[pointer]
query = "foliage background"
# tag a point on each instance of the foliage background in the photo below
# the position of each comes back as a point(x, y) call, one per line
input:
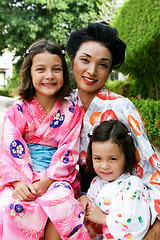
point(22, 22)
point(138, 23)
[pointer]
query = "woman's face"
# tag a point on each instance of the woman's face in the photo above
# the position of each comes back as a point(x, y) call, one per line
point(91, 66)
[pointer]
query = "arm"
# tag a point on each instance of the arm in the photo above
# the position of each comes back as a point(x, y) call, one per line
point(23, 191)
point(154, 232)
point(95, 214)
point(130, 209)
point(28, 192)
point(84, 200)
point(64, 160)
point(14, 155)
point(41, 186)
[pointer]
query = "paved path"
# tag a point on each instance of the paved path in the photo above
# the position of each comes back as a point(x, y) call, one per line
point(5, 102)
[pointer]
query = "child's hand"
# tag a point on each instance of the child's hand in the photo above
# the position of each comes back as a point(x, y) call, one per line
point(95, 214)
point(23, 191)
point(42, 185)
point(84, 200)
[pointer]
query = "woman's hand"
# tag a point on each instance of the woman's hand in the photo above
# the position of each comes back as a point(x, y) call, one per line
point(95, 214)
point(154, 232)
point(23, 191)
point(42, 185)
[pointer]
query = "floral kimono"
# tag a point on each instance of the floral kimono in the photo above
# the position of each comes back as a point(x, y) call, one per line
point(126, 207)
point(27, 126)
point(105, 106)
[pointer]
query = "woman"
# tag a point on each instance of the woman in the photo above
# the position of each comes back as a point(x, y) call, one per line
point(94, 52)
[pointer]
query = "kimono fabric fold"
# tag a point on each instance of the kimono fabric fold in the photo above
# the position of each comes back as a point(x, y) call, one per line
point(27, 123)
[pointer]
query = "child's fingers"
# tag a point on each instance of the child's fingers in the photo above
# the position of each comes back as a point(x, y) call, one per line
point(31, 188)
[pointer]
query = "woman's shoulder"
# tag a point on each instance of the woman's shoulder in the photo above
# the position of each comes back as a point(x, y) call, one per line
point(104, 94)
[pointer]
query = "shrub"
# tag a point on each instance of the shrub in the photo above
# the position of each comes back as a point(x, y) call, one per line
point(125, 88)
point(138, 25)
point(150, 112)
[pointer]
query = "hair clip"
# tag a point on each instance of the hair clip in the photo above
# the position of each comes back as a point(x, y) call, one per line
point(26, 53)
point(90, 134)
point(129, 134)
point(63, 52)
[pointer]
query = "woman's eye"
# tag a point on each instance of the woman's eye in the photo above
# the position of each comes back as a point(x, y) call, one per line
point(84, 59)
point(103, 65)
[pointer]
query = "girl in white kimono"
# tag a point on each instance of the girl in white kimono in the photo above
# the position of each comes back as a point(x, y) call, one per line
point(116, 199)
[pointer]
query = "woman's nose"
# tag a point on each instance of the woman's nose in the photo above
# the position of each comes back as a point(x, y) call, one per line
point(92, 69)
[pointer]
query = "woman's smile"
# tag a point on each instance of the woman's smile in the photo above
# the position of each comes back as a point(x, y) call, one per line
point(89, 80)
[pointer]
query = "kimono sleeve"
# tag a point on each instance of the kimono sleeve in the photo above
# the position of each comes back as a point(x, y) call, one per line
point(64, 160)
point(93, 190)
point(130, 214)
point(14, 157)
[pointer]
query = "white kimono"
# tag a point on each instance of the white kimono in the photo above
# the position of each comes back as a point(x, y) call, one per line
point(126, 205)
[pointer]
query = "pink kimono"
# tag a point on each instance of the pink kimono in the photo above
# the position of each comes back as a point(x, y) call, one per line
point(27, 123)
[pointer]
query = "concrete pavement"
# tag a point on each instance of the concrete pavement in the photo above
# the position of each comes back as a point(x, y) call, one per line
point(5, 102)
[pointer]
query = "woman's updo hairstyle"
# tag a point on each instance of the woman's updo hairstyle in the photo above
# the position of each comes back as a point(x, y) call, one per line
point(100, 33)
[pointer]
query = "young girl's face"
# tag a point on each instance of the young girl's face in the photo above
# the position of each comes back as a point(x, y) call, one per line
point(108, 160)
point(47, 74)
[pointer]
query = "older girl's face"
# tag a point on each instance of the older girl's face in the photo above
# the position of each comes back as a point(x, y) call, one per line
point(91, 66)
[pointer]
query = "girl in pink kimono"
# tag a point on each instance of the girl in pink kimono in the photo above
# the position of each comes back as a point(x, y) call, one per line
point(39, 151)
point(116, 199)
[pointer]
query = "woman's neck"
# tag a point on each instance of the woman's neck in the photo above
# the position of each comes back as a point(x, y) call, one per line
point(86, 98)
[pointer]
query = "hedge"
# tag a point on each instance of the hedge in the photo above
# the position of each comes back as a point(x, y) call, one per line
point(138, 24)
point(150, 112)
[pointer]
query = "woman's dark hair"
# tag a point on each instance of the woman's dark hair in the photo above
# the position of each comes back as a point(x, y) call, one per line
point(117, 132)
point(26, 89)
point(100, 33)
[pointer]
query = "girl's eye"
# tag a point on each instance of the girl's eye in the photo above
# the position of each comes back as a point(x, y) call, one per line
point(97, 159)
point(113, 159)
point(57, 69)
point(40, 69)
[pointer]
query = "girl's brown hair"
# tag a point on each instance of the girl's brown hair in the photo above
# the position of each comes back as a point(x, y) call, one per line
point(117, 132)
point(26, 90)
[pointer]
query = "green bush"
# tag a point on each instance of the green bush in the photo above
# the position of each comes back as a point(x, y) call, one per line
point(138, 26)
point(125, 88)
point(150, 112)
point(5, 92)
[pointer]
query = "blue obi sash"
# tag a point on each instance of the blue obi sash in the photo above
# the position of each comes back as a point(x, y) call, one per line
point(41, 156)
